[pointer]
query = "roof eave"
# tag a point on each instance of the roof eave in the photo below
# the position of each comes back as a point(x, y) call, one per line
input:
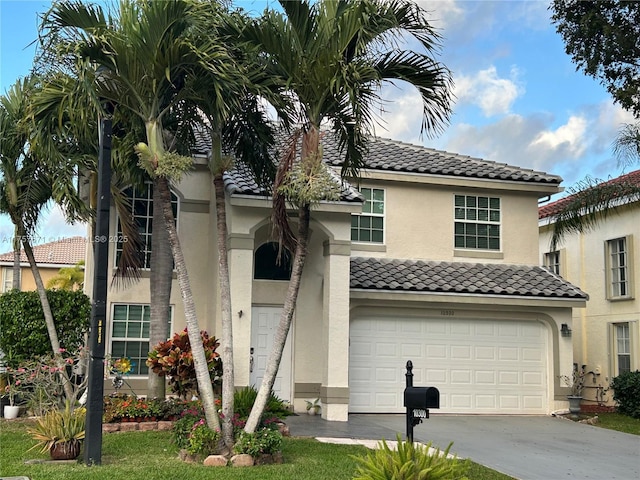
point(468, 298)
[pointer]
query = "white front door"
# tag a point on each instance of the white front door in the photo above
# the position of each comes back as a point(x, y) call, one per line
point(264, 322)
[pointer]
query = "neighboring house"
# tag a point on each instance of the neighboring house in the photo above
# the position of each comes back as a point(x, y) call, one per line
point(603, 262)
point(433, 260)
point(50, 258)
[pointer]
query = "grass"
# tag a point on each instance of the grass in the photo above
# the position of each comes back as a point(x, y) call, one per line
point(621, 423)
point(153, 456)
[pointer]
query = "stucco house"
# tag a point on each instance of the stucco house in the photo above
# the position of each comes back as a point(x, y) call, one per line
point(432, 257)
point(50, 258)
point(602, 261)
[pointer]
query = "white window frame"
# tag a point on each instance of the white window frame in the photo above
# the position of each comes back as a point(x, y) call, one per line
point(7, 279)
point(619, 268)
point(626, 345)
point(368, 212)
point(463, 216)
point(139, 360)
point(145, 236)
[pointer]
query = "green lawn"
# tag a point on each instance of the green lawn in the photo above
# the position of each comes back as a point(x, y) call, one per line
point(153, 456)
point(621, 423)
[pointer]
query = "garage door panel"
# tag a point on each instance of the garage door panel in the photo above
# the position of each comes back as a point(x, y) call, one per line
point(479, 366)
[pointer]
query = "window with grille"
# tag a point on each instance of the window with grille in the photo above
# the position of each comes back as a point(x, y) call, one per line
point(130, 334)
point(477, 222)
point(141, 207)
point(552, 261)
point(368, 226)
point(618, 268)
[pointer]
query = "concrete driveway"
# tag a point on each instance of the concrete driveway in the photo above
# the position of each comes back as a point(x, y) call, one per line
point(524, 447)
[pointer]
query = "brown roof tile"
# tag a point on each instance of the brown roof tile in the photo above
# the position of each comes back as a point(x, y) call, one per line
point(66, 251)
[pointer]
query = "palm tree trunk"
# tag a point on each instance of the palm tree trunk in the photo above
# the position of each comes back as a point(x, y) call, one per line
point(205, 388)
point(160, 290)
point(273, 363)
point(228, 378)
point(48, 317)
point(16, 260)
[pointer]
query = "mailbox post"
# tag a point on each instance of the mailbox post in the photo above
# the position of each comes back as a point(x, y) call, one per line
point(418, 401)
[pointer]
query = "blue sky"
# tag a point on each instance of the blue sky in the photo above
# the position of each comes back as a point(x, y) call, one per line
point(519, 98)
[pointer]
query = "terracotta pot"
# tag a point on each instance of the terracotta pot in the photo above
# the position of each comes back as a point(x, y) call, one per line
point(65, 450)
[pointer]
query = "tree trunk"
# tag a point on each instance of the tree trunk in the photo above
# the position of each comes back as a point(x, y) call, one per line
point(205, 387)
point(273, 363)
point(48, 317)
point(16, 260)
point(228, 380)
point(160, 290)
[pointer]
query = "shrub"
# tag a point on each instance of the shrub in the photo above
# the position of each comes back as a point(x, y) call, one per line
point(244, 399)
point(182, 428)
point(409, 462)
point(626, 391)
point(263, 441)
point(174, 359)
point(202, 440)
point(23, 327)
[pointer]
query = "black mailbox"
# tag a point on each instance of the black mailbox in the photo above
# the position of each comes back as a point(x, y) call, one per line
point(421, 397)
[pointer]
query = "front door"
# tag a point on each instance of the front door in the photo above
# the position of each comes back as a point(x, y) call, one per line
point(263, 327)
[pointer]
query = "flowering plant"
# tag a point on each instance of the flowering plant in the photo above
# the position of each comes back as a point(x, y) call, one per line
point(41, 381)
point(14, 383)
point(202, 440)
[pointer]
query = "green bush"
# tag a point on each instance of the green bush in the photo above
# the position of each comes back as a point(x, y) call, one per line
point(409, 462)
point(264, 441)
point(23, 330)
point(626, 391)
point(244, 398)
point(202, 440)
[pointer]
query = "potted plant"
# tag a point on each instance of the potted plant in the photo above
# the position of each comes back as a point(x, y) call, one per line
point(60, 432)
point(12, 390)
point(576, 383)
point(313, 406)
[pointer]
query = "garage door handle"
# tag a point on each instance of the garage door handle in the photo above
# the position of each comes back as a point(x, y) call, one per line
point(250, 363)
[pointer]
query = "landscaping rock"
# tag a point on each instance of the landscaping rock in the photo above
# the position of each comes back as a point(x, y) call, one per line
point(242, 460)
point(128, 427)
point(283, 428)
point(146, 426)
point(187, 457)
point(110, 427)
point(215, 461)
point(165, 426)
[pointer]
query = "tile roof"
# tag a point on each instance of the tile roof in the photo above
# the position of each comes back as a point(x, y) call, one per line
point(553, 208)
point(461, 278)
point(66, 251)
point(394, 156)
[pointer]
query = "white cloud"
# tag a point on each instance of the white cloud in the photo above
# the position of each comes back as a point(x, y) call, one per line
point(443, 13)
point(568, 138)
point(485, 89)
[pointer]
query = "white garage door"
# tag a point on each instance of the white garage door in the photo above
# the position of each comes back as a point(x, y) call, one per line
point(479, 366)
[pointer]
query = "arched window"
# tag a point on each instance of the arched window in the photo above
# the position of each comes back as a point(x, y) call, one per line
point(141, 205)
point(265, 265)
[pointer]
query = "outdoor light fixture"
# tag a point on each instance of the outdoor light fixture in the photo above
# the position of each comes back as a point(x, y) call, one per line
point(565, 330)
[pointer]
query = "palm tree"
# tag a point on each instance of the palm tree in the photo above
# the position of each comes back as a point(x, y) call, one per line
point(156, 60)
point(27, 185)
point(334, 56)
point(592, 200)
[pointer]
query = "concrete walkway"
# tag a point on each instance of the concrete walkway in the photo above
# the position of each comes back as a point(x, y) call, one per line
point(524, 447)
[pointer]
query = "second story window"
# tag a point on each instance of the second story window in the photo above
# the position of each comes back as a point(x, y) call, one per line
point(477, 222)
point(369, 225)
point(141, 207)
point(552, 261)
point(618, 264)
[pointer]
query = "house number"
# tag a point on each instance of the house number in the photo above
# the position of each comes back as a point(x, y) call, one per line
point(447, 313)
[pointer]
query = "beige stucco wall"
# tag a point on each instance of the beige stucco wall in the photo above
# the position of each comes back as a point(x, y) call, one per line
point(583, 264)
point(27, 282)
point(419, 224)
